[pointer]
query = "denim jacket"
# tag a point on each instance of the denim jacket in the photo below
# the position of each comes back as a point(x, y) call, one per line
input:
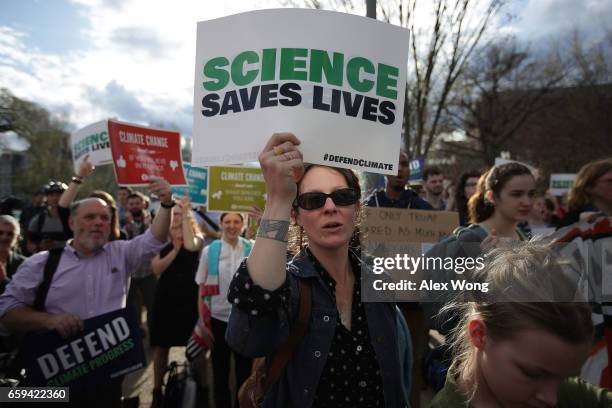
point(262, 334)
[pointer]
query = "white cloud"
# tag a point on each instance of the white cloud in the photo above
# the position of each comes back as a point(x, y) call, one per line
point(139, 61)
point(138, 64)
point(545, 20)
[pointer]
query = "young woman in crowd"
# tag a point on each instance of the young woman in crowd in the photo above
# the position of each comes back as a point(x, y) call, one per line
point(175, 307)
point(349, 355)
point(218, 264)
point(464, 189)
point(503, 199)
point(592, 191)
point(523, 342)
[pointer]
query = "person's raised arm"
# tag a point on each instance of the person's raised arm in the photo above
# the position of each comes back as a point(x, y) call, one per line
point(68, 196)
point(191, 241)
point(282, 166)
point(160, 263)
point(161, 222)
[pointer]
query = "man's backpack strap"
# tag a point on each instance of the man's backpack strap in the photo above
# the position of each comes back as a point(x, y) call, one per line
point(50, 267)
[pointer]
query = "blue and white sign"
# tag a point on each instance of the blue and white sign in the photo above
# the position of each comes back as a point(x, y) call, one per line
point(109, 346)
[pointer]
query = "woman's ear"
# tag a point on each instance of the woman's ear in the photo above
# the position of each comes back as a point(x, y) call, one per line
point(477, 332)
point(490, 197)
point(294, 215)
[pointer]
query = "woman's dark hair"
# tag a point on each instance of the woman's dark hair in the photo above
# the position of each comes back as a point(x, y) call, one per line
point(461, 201)
point(479, 208)
point(296, 233)
point(225, 213)
point(110, 201)
point(550, 205)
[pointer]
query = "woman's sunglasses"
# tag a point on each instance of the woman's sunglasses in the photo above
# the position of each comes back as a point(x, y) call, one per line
point(312, 201)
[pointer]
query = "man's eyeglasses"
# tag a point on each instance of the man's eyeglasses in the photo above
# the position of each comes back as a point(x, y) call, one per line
point(314, 200)
point(7, 233)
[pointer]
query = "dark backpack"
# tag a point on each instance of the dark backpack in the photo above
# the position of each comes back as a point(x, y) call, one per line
point(181, 386)
point(437, 360)
point(458, 244)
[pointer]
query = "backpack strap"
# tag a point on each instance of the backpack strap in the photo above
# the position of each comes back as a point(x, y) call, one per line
point(285, 353)
point(42, 216)
point(50, 267)
point(475, 228)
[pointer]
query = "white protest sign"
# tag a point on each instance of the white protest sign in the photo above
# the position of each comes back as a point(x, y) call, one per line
point(560, 183)
point(534, 171)
point(92, 140)
point(337, 81)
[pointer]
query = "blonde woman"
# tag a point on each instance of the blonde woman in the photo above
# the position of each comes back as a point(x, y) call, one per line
point(516, 345)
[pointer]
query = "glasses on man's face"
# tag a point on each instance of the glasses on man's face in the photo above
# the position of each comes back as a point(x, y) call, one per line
point(7, 233)
point(314, 200)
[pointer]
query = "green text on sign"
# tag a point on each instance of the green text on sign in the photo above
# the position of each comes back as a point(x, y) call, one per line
point(290, 64)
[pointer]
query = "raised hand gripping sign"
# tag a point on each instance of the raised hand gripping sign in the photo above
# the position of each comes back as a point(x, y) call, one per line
point(141, 152)
point(337, 81)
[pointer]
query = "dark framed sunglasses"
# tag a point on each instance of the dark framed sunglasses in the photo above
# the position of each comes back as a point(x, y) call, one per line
point(314, 200)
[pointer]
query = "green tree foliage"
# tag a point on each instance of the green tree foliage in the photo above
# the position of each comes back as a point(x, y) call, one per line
point(48, 157)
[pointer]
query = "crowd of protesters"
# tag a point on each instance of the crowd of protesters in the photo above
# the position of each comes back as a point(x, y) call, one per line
point(292, 293)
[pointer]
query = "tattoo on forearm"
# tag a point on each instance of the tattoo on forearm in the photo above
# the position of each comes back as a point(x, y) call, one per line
point(274, 229)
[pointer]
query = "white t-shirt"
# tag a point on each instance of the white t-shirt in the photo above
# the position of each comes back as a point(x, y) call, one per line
point(229, 260)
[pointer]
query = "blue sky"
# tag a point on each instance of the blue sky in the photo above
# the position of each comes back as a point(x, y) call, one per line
point(51, 26)
point(85, 60)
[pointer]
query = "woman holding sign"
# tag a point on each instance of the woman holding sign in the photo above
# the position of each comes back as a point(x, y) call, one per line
point(523, 342)
point(324, 345)
point(176, 295)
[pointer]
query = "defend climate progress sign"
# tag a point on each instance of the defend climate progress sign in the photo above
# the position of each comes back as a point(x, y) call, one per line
point(335, 80)
point(109, 346)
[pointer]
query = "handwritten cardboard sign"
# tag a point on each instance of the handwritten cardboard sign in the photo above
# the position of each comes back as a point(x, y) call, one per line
point(404, 225)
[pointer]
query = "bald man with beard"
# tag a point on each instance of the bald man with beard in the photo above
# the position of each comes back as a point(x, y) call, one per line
point(92, 278)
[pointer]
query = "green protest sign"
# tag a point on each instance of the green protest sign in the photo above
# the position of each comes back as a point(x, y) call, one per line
point(561, 183)
point(235, 188)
